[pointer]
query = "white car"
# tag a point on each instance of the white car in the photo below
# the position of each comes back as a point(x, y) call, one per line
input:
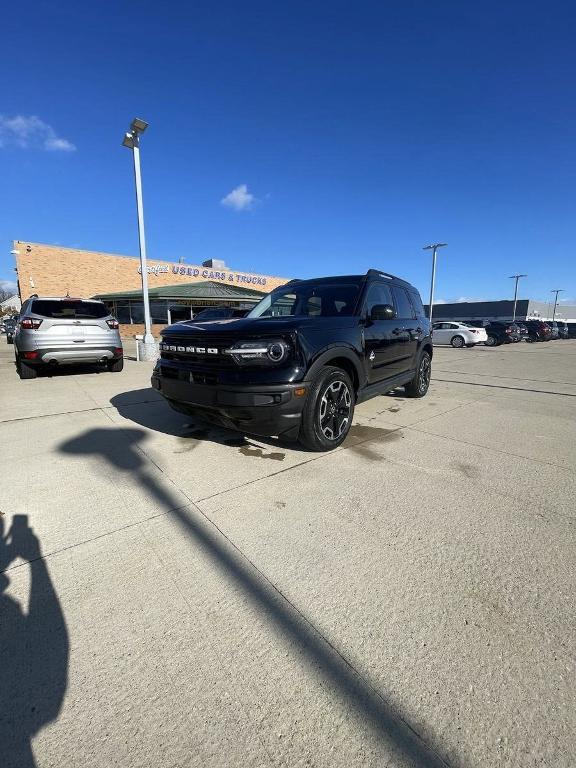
point(458, 334)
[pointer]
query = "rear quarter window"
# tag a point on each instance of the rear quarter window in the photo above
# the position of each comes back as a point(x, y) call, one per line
point(417, 304)
point(403, 305)
point(78, 310)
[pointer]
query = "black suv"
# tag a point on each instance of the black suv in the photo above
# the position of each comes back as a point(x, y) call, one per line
point(304, 356)
point(562, 328)
point(501, 333)
point(537, 330)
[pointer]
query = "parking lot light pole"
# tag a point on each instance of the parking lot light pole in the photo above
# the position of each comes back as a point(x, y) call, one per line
point(556, 291)
point(131, 140)
point(434, 248)
point(515, 277)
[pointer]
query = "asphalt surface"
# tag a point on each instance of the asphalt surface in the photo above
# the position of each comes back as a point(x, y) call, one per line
point(194, 598)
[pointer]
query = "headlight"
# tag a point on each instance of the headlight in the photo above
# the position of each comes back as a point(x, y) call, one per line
point(264, 351)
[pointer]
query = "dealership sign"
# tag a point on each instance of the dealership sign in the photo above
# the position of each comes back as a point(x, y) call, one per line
point(207, 274)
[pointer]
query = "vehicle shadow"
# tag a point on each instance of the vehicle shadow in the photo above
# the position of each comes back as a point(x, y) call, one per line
point(122, 449)
point(34, 649)
point(162, 418)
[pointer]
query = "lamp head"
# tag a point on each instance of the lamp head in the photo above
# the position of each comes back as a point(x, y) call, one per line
point(434, 245)
point(138, 125)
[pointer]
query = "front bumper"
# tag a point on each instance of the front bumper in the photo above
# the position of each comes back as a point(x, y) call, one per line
point(266, 410)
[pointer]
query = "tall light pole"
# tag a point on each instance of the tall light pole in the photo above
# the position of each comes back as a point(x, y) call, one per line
point(434, 248)
point(556, 291)
point(132, 141)
point(515, 277)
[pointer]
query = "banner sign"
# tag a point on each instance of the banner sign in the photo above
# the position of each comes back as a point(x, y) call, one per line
point(207, 274)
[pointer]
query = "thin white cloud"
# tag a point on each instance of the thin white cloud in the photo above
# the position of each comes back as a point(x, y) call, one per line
point(440, 301)
point(31, 133)
point(8, 285)
point(464, 299)
point(239, 199)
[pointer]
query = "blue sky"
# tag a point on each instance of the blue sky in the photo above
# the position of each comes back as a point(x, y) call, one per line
point(353, 133)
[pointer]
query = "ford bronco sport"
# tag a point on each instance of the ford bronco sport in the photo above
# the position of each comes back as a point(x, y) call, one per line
point(300, 361)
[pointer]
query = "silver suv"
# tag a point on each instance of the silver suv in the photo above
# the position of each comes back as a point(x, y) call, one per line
point(55, 331)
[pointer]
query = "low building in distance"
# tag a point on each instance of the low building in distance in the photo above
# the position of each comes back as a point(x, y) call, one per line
point(526, 309)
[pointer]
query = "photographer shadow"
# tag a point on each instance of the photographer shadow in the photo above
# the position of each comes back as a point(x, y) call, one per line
point(34, 650)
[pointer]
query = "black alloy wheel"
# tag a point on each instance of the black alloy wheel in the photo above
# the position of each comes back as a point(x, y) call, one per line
point(328, 412)
point(491, 341)
point(335, 405)
point(418, 387)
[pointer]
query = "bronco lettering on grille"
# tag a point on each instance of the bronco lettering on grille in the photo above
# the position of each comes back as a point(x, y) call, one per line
point(190, 350)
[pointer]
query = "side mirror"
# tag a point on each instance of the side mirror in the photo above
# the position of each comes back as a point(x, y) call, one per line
point(382, 312)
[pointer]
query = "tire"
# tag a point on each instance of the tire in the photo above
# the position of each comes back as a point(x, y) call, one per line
point(25, 371)
point(457, 342)
point(115, 366)
point(10, 340)
point(320, 431)
point(491, 341)
point(418, 387)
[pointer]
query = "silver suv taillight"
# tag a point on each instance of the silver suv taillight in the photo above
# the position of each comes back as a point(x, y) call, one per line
point(30, 323)
point(112, 323)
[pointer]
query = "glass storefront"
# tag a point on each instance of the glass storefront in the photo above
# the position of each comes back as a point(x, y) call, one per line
point(165, 311)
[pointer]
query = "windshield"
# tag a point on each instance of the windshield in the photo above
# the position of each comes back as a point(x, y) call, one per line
point(72, 308)
point(310, 299)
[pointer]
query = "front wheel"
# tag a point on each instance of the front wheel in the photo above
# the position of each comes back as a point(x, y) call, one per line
point(327, 415)
point(491, 341)
point(420, 383)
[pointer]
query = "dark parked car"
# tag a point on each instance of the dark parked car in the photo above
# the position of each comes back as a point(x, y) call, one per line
point(571, 330)
point(297, 365)
point(554, 332)
point(562, 329)
point(538, 330)
point(501, 333)
point(219, 313)
point(523, 330)
point(9, 328)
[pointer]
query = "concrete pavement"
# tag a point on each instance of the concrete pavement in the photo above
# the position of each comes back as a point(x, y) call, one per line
point(208, 600)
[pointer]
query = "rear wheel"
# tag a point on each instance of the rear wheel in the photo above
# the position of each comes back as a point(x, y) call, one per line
point(25, 371)
point(420, 383)
point(115, 366)
point(327, 415)
point(457, 341)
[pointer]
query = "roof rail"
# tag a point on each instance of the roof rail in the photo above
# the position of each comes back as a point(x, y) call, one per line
point(381, 273)
point(294, 280)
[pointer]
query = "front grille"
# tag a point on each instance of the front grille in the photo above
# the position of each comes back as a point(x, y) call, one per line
point(185, 374)
point(203, 350)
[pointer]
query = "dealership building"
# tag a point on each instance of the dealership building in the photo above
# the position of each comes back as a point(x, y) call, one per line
point(177, 290)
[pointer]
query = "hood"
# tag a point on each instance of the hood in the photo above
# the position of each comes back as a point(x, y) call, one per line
point(258, 326)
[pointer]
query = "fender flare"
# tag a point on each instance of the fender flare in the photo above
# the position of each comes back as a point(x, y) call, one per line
point(347, 353)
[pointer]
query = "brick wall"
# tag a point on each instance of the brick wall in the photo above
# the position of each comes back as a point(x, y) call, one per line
point(50, 270)
point(128, 331)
